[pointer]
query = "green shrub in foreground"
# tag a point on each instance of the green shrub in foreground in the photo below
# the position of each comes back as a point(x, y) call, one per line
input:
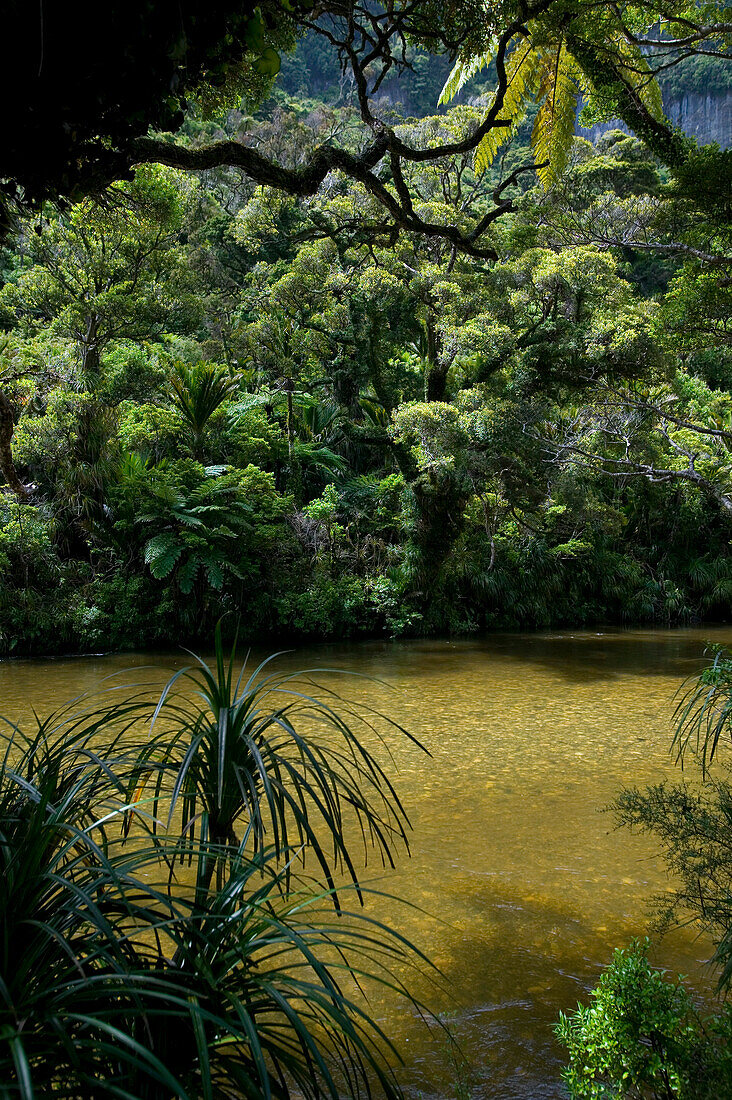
point(642, 1038)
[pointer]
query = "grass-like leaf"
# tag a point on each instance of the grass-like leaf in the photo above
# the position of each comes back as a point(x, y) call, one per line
point(116, 979)
point(704, 711)
point(263, 758)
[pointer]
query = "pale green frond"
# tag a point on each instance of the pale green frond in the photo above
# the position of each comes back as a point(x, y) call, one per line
point(579, 76)
point(464, 70)
point(638, 73)
point(524, 72)
point(553, 131)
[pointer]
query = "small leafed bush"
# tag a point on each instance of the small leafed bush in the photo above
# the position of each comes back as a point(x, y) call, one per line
point(642, 1037)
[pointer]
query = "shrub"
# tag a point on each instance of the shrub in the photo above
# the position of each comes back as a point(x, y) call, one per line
point(642, 1037)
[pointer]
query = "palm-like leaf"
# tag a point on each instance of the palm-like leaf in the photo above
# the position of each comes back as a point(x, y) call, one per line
point(318, 457)
point(464, 70)
point(524, 74)
point(198, 391)
point(258, 953)
point(260, 760)
point(162, 553)
point(115, 986)
point(201, 524)
point(704, 711)
point(549, 73)
point(67, 909)
point(553, 130)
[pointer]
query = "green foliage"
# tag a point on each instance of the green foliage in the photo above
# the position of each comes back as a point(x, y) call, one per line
point(198, 391)
point(704, 712)
point(118, 979)
point(199, 517)
point(641, 1037)
point(346, 606)
point(130, 373)
point(108, 271)
point(551, 66)
point(151, 430)
point(232, 398)
point(36, 587)
point(246, 773)
point(698, 74)
point(27, 545)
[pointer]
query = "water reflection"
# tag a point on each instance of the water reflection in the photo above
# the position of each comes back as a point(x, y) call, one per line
point(520, 887)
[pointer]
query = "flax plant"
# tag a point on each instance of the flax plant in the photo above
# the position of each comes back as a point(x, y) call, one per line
point(118, 979)
point(259, 761)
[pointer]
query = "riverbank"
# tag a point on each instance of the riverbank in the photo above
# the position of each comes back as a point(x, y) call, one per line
point(519, 888)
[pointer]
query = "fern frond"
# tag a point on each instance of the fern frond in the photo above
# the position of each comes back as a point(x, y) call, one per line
point(524, 73)
point(639, 75)
point(161, 554)
point(579, 76)
point(187, 575)
point(554, 126)
point(188, 519)
point(215, 574)
point(464, 70)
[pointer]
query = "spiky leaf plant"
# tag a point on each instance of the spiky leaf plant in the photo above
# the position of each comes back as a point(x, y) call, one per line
point(119, 980)
point(704, 711)
point(261, 761)
point(69, 969)
point(198, 391)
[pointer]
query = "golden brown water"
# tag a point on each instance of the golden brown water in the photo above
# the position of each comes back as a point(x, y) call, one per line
point(523, 887)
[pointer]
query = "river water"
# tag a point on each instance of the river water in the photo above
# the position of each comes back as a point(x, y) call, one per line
point(519, 886)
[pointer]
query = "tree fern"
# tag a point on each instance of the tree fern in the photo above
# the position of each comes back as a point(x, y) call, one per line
point(523, 72)
point(638, 73)
point(215, 574)
point(464, 70)
point(198, 391)
point(202, 525)
point(550, 74)
point(187, 575)
point(551, 138)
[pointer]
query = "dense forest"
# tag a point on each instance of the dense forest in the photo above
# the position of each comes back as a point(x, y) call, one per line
point(221, 397)
point(325, 321)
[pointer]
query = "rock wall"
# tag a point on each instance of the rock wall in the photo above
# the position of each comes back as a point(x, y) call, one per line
point(705, 117)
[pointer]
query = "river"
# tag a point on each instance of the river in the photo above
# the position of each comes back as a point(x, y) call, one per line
point(519, 885)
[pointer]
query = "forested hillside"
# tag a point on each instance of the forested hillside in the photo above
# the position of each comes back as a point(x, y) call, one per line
point(221, 397)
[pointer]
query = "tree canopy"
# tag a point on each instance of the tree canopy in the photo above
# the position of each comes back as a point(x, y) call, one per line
point(344, 368)
point(92, 107)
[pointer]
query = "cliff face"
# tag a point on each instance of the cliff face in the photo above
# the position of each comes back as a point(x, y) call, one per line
point(704, 116)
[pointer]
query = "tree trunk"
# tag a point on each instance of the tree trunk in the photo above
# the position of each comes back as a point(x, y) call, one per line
point(436, 380)
point(7, 466)
point(91, 359)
